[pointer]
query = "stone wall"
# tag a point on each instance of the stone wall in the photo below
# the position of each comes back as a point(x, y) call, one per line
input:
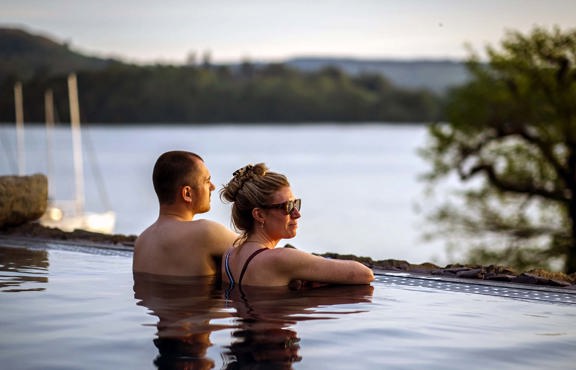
point(22, 199)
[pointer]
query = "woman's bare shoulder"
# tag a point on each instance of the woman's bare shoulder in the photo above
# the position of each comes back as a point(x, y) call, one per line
point(290, 257)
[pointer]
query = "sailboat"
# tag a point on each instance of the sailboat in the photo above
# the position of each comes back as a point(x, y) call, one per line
point(69, 215)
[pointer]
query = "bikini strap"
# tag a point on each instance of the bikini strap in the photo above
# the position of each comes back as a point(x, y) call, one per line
point(227, 268)
point(247, 262)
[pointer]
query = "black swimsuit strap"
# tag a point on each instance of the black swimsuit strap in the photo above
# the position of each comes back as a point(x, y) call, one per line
point(247, 262)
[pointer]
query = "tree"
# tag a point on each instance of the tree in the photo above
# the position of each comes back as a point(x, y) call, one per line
point(510, 142)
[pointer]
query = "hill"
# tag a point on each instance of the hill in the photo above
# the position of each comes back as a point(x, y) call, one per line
point(26, 55)
point(299, 90)
point(435, 75)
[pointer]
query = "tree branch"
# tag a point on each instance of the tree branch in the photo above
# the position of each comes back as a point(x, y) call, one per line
point(506, 186)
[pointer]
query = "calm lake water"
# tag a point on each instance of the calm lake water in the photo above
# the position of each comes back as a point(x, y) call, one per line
point(67, 309)
point(358, 182)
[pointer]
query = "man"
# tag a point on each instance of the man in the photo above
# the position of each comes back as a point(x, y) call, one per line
point(176, 244)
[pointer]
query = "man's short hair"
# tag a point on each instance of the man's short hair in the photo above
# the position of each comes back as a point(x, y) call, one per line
point(173, 170)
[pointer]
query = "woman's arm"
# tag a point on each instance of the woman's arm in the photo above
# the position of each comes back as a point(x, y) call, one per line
point(296, 264)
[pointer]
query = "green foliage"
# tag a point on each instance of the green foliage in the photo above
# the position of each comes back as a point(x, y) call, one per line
point(25, 56)
point(114, 92)
point(271, 93)
point(511, 142)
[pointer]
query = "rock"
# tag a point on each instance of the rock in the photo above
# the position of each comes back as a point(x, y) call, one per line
point(542, 277)
point(553, 276)
point(365, 260)
point(560, 283)
point(528, 278)
point(22, 199)
point(500, 270)
point(439, 272)
point(471, 274)
point(391, 264)
point(426, 266)
point(500, 277)
point(37, 231)
point(457, 270)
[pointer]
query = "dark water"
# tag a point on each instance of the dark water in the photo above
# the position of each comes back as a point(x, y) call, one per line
point(67, 309)
point(259, 321)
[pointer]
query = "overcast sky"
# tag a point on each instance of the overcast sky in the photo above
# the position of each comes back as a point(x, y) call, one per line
point(232, 30)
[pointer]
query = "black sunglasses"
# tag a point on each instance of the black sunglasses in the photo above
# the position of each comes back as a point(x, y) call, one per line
point(289, 206)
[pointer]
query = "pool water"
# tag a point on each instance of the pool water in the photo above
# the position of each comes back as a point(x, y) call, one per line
point(64, 308)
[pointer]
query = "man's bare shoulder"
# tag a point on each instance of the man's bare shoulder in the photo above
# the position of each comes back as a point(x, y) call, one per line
point(208, 224)
point(198, 230)
point(145, 235)
point(175, 247)
point(216, 233)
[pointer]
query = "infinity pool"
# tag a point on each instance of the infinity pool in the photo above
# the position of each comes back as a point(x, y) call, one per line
point(69, 307)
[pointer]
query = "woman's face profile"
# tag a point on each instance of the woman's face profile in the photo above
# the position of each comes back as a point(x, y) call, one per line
point(277, 223)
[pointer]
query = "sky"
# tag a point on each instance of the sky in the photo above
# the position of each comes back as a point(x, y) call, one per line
point(144, 31)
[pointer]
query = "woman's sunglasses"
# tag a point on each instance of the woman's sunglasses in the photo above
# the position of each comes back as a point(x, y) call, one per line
point(289, 206)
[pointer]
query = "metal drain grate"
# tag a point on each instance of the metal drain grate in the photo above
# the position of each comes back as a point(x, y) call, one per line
point(533, 293)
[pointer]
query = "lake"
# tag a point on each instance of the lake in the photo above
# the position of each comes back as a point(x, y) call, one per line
point(359, 183)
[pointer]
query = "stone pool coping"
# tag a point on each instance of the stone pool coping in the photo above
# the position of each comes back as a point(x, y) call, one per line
point(31, 234)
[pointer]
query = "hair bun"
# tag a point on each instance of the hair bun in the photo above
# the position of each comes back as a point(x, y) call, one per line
point(249, 171)
point(240, 177)
point(241, 171)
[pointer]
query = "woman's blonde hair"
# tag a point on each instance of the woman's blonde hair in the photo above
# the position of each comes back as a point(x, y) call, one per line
point(252, 186)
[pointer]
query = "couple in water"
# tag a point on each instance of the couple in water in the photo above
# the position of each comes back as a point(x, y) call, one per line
point(264, 211)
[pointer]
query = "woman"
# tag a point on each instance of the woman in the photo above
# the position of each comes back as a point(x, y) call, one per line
point(264, 211)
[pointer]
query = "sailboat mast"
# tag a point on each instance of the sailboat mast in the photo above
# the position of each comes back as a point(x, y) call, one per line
point(49, 117)
point(19, 108)
point(76, 141)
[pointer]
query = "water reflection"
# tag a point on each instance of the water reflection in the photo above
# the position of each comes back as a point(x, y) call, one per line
point(186, 309)
point(21, 269)
point(262, 320)
point(266, 337)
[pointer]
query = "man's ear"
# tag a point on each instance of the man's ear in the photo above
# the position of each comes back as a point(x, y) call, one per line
point(186, 193)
